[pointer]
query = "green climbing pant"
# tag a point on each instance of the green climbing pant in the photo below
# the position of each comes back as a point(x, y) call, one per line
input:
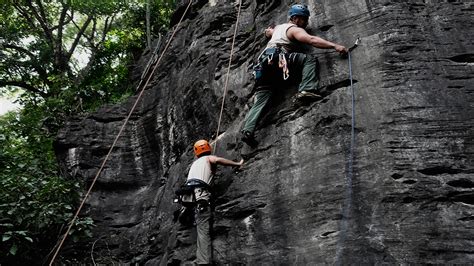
point(261, 99)
point(310, 72)
point(271, 77)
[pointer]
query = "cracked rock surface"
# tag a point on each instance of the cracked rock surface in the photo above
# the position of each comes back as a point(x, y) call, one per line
point(411, 196)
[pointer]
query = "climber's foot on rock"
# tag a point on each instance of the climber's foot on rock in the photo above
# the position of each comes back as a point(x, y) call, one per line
point(248, 138)
point(308, 95)
point(305, 98)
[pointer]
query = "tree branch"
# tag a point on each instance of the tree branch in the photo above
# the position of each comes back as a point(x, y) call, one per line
point(34, 63)
point(69, 19)
point(78, 37)
point(94, 48)
point(25, 14)
point(19, 49)
point(93, 32)
point(42, 21)
point(41, 11)
point(24, 85)
point(107, 26)
point(61, 23)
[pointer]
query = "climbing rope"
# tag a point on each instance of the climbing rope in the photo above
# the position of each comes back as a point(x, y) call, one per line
point(119, 134)
point(227, 77)
point(151, 61)
point(349, 177)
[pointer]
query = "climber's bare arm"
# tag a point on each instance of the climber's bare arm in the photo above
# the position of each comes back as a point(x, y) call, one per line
point(299, 34)
point(223, 161)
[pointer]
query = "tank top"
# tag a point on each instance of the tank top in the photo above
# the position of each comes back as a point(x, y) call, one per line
point(201, 169)
point(280, 39)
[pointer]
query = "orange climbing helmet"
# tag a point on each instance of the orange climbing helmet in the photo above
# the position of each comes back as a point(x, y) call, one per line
point(201, 146)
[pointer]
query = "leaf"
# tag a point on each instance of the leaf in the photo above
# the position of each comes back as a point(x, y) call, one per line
point(23, 233)
point(13, 249)
point(88, 233)
point(6, 237)
point(29, 239)
point(6, 225)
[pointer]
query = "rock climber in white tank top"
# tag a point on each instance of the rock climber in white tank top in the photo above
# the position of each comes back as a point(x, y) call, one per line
point(201, 171)
point(280, 60)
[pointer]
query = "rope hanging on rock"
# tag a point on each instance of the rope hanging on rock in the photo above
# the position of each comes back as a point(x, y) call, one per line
point(227, 77)
point(120, 133)
point(350, 171)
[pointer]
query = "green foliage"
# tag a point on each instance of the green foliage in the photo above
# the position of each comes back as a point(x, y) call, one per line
point(160, 15)
point(63, 58)
point(34, 201)
point(43, 59)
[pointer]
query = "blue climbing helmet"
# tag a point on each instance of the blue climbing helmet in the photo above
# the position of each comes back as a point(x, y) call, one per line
point(298, 10)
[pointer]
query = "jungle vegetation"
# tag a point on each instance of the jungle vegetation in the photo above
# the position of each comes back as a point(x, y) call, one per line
point(59, 58)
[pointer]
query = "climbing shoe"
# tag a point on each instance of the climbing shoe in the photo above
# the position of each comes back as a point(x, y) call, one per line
point(308, 95)
point(248, 138)
point(305, 98)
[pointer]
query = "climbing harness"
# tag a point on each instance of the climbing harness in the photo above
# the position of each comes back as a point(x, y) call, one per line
point(118, 135)
point(227, 76)
point(266, 58)
point(185, 194)
point(349, 176)
point(186, 197)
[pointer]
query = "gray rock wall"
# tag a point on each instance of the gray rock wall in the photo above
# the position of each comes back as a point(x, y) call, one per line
point(412, 193)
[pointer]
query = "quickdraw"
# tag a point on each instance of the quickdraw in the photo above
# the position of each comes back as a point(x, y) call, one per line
point(270, 58)
point(283, 64)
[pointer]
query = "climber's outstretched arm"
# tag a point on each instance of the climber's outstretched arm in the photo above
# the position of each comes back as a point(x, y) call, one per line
point(222, 161)
point(301, 35)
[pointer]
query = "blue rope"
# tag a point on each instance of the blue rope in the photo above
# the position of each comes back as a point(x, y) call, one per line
point(349, 177)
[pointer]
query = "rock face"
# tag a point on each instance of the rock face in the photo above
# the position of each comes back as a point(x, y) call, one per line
point(410, 199)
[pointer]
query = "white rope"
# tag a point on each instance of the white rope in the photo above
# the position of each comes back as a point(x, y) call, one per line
point(227, 77)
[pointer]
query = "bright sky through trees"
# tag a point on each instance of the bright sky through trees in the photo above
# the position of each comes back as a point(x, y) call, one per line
point(7, 105)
